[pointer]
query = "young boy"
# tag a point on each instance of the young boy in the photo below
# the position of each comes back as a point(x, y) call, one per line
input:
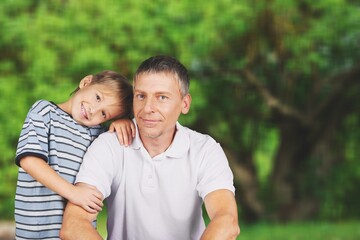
point(52, 143)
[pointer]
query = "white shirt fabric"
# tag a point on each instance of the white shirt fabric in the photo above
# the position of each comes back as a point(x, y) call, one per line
point(160, 197)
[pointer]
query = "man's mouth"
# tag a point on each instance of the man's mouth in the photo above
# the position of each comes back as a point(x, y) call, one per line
point(149, 122)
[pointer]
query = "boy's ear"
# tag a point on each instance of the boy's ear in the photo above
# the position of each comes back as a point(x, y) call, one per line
point(85, 81)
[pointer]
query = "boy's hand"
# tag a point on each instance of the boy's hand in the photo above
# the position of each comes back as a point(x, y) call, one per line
point(125, 130)
point(87, 197)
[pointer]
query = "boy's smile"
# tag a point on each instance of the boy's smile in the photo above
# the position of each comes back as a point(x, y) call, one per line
point(84, 111)
point(92, 104)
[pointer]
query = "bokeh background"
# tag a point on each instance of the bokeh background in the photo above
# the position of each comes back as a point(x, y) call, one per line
point(276, 82)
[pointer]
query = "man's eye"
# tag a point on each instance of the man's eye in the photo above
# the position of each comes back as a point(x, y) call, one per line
point(140, 96)
point(103, 114)
point(163, 97)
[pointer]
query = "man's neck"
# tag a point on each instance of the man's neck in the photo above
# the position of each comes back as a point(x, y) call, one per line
point(156, 146)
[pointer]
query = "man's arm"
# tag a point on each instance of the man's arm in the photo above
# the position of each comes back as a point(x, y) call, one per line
point(77, 223)
point(222, 211)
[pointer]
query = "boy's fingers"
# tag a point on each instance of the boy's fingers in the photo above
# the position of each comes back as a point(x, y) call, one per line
point(98, 195)
point(90, 209)
point(111, 128)
point(100, 204)
point(96, 206)
point(125, 137)
point(133, 130)
point(120, 137)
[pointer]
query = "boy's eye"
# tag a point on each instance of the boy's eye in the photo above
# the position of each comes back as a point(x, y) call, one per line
point(97, 98)
point(103, 114)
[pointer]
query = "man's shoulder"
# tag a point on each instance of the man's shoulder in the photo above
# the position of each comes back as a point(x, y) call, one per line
point(111, 139)
point(196, 137)
point(105, 143)
point(108, 136)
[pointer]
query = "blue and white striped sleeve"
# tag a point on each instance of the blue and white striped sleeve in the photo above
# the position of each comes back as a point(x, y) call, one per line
point(33, 140)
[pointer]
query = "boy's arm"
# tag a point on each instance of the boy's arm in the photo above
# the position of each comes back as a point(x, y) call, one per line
point(125, 130)
point(77, 223)
point(88, 198)
point(222, 210)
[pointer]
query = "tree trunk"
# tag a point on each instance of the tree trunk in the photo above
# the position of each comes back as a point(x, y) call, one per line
point(247, 186)
point(291, 161)
point(304, 159)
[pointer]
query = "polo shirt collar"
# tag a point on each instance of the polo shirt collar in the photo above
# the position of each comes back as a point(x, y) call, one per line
point(136, 143)
point(180, 144)
point(177, 149)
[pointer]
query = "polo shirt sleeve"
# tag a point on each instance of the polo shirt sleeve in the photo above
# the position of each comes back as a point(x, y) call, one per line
point(215, 172)
point(33, 140)
point(102, 163)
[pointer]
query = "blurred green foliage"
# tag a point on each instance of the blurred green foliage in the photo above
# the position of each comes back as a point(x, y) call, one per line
point(293, 47)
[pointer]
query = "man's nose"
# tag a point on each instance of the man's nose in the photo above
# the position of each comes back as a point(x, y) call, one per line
point(149, 105)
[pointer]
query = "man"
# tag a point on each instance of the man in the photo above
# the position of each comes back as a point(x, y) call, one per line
point(155, 187)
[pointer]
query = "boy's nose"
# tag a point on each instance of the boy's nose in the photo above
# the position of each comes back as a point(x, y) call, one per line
point(92, 110)
point(95, 110)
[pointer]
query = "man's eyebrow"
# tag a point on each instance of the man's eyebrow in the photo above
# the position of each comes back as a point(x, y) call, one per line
point(138, 90)
point(156, 93)
point(164, 93)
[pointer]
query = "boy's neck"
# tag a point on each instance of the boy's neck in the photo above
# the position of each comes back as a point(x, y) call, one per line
point(65, 106)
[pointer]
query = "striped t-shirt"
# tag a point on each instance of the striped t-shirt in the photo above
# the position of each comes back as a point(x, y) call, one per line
point(52, 135)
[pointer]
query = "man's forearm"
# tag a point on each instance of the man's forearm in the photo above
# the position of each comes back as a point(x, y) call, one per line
point(222, 210)
point(77, 224)
point(222, 228)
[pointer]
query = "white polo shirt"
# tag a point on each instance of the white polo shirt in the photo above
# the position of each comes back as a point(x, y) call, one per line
point(161, 197)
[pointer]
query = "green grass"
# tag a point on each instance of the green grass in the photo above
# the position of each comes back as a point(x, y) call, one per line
point(300, 231)
point(347, 230)
point(101, 223)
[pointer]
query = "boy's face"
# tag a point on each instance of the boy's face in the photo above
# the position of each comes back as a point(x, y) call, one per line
point(157, 104)
point(94, 104)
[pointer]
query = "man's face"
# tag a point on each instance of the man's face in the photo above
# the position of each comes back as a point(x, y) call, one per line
point(158, 104)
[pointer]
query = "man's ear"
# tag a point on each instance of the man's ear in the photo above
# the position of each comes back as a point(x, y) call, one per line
point(186, 102)
point(85, 81)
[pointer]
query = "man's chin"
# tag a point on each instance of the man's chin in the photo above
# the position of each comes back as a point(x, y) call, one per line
point(149, 134)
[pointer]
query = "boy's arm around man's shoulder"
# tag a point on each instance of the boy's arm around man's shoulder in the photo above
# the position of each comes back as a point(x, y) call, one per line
point(77, 223)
